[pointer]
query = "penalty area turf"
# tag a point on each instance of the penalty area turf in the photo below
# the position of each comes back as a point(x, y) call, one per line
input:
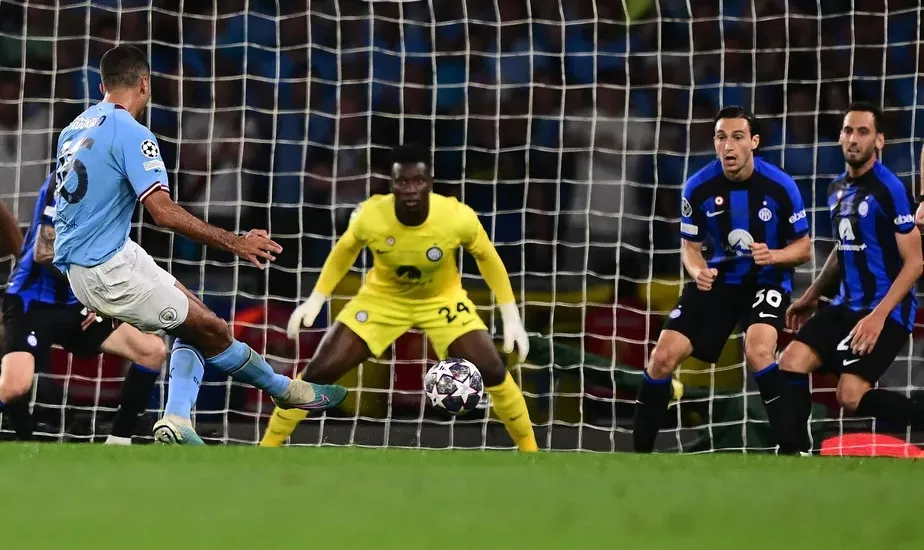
point(92, 496)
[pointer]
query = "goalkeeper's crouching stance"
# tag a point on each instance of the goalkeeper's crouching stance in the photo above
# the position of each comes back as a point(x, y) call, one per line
point(414, 282)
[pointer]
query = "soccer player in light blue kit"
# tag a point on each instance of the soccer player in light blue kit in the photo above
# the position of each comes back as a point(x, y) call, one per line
point(107, 160)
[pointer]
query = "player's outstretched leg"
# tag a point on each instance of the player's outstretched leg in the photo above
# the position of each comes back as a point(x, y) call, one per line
point(506, 397)
point(147, 353)
point(656, 390)
point(211, 336)
point(341, 350)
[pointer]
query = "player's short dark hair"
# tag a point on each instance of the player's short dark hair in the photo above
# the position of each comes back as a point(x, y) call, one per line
point(737, 111)
point(410, 153)
point(123, 66)
point(867, 107)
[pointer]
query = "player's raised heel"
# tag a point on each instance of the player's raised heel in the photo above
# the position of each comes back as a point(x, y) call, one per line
point(311, 397)
point(168, 432)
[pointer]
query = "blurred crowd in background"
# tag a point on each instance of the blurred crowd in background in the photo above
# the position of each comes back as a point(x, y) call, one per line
point(570, 126)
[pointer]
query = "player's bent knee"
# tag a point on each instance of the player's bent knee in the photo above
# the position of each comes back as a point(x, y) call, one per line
point(798, 358)
point(16, 376)
point(218, 333)
point(493, 371)
point(850, 390)
point(153, 352)
point(759, 355)
point(663, 363)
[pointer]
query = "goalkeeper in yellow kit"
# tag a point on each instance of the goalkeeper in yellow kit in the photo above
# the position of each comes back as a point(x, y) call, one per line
point(414, 282)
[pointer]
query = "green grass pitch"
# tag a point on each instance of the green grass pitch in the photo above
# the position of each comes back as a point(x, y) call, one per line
point(83, 496)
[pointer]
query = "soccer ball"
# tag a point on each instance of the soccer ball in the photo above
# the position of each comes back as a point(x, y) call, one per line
point(454, 385)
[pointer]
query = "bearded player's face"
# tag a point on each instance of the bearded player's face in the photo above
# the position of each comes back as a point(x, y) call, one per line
point(859, 138)
point(411, 185)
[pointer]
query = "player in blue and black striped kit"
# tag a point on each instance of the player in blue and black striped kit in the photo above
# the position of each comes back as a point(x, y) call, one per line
point(744, 229)
point(39, 309)
point(874, 267)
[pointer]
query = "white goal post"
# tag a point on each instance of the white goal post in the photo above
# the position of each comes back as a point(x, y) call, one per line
point(568, 125)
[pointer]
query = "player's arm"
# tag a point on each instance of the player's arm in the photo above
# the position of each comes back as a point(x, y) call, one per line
point(44, 250)
point(10, 234)
point(476, 241)
point(692, 232)
point(898, 210)
point(138, 154)
point(336, 265)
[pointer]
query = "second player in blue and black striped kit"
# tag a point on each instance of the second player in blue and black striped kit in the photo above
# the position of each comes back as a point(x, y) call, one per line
point(744, 229)
point(39, 309)
point(873, 267)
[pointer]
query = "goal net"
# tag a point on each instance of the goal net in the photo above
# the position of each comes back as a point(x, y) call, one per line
point(569, 126)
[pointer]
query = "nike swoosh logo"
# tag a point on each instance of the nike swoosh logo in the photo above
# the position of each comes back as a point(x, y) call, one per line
point(318, 403)
point(714, 214)
point(850, 361)
point(767, 402)
point(762, 314)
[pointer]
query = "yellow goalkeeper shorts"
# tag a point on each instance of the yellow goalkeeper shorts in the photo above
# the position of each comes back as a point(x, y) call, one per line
point(380, 319)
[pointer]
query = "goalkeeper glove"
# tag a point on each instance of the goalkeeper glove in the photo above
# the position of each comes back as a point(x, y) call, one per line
point(514, 333)
point(305, 314)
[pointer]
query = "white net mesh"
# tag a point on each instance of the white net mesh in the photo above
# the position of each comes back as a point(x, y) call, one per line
point(570, 126)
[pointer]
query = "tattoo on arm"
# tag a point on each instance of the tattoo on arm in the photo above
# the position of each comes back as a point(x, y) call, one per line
point(44, 250)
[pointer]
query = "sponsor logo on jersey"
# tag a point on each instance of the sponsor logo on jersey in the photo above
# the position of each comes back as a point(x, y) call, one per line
point(740, 241)
point(845, 230)
point(797, 216)
point(906, 218)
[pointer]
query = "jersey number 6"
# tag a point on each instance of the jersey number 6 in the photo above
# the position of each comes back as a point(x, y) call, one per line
point(460, 307)
point(772, 297)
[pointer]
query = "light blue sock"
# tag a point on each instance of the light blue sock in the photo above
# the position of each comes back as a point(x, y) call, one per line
point(243, 364)
point(186, 369)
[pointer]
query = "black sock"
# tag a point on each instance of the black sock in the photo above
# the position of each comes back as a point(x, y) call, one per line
point(21, 418)
point(650, 411)
point(794, 410)
point(770, 382)
point(136, 391)
point(890, 407)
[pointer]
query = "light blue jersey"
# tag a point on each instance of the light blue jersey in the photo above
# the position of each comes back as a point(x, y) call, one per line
point(107, 161)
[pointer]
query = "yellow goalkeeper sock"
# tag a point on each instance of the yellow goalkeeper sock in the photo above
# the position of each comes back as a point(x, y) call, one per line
point(281, 426)
point(510, 406)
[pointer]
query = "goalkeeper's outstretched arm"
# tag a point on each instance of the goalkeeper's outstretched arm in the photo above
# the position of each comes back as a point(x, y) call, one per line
point(495, 274)
point(335, 267)
point(10, 235)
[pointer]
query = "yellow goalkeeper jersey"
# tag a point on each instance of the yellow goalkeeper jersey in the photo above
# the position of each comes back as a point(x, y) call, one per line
point(415, 262)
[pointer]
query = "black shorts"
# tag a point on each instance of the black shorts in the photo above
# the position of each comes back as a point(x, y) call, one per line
point(36, 329)
point(828, 333)
point(708, 318)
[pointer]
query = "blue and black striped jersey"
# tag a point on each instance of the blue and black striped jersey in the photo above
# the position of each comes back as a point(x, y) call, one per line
point(727, 216)
point(866, 213)
point(31, 281)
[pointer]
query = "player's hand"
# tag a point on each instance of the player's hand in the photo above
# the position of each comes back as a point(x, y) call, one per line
point(866, 333)
point(919, 217)
point(256, 246)
point(305, 314)
point(89, 318)
point(514, 332)
point(799, 312)
point(705, 278)
point(762, 254)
